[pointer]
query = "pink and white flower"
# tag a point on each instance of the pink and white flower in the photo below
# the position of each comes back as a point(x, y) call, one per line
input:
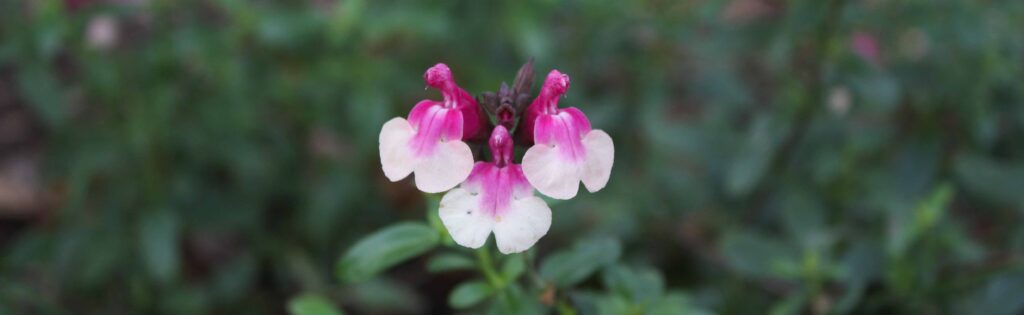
point(566, 150)
point(496, 198)
point(430, 143)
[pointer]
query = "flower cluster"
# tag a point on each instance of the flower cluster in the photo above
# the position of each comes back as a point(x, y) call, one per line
point(497, 196)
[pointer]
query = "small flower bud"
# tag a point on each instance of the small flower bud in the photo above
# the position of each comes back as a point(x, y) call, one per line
point(501, 146)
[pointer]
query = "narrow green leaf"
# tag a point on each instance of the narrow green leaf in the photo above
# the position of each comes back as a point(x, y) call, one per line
point(928, 211)
point(449, 262)
point(158, 244)
point(514, 267)
point(1000, 295)
point(469, 293)
point(42, 91)
point(384, 249)
point(752, 161)
point(514, 301)
point(640, 285)
point(995, 181)
point(861, 262)
point(934, 207)
point(566, 268)
point(312, 304)
point(675, 303)
point(791, 305)
point(759, 255)
point(614, 305)
point(383, 295)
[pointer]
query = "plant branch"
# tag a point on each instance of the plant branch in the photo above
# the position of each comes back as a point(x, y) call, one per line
point(483, 257)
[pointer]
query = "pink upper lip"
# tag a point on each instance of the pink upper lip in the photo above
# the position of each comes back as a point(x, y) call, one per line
point(557, 81)
point(438, 75)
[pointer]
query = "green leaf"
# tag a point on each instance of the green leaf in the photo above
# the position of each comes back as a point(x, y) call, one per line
point(43, 93)
point(926, 214)
point(791, 305)
point(382, 295)
point(995, 181)
point(513, 267)
point(234, 277)
point(752, 161)
point(513, 301)
point(640, 285)
point(569, 267)
point(999, 296)
point(312, 304)
point(675, 303)
point(469, 293)
point(159, 244)
point(803, 217)
point(759, 255)
point(385, 248)
point(932, 209)
point(615, 305)
point(449, 262)
point(585, 301)
point(346, 15)
point(860, 263)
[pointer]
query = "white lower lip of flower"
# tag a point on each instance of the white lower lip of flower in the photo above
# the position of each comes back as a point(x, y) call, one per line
point(516, 229)
point(597, 169)
point(556, 176)
point(447, 165)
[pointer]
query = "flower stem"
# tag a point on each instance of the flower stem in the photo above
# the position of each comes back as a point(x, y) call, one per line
point(531, 270)
point(483, 257)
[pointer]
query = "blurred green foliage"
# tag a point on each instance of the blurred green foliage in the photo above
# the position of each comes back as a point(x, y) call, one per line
point(220, 156)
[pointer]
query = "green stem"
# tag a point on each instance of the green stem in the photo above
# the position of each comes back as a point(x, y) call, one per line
point(483, 257)
point(531, 271)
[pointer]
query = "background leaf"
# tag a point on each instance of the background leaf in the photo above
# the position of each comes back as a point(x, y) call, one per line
point(385, 248)
point(449, 262)
point(568, 267)
point(159, 245)
point(513, 267)
point(468, 294)
point(312, 304)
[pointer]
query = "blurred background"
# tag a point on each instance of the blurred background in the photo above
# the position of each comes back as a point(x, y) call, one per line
point(794, 157)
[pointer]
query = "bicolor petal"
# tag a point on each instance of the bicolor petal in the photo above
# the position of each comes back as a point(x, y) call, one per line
point(496, 198)
point(430, 148)
point(429, 144)
point(550, 173)
point(526, 220)
point(473, 119)
point(546, 103)
point(566, 150)
point(448, 165)
point(556, 167)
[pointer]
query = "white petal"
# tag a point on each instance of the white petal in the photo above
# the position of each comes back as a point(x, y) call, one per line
point(549, 172)
point(461, 215)
point(600, 157)
point(525, 222)
point(449, 165)
point(395, 157)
